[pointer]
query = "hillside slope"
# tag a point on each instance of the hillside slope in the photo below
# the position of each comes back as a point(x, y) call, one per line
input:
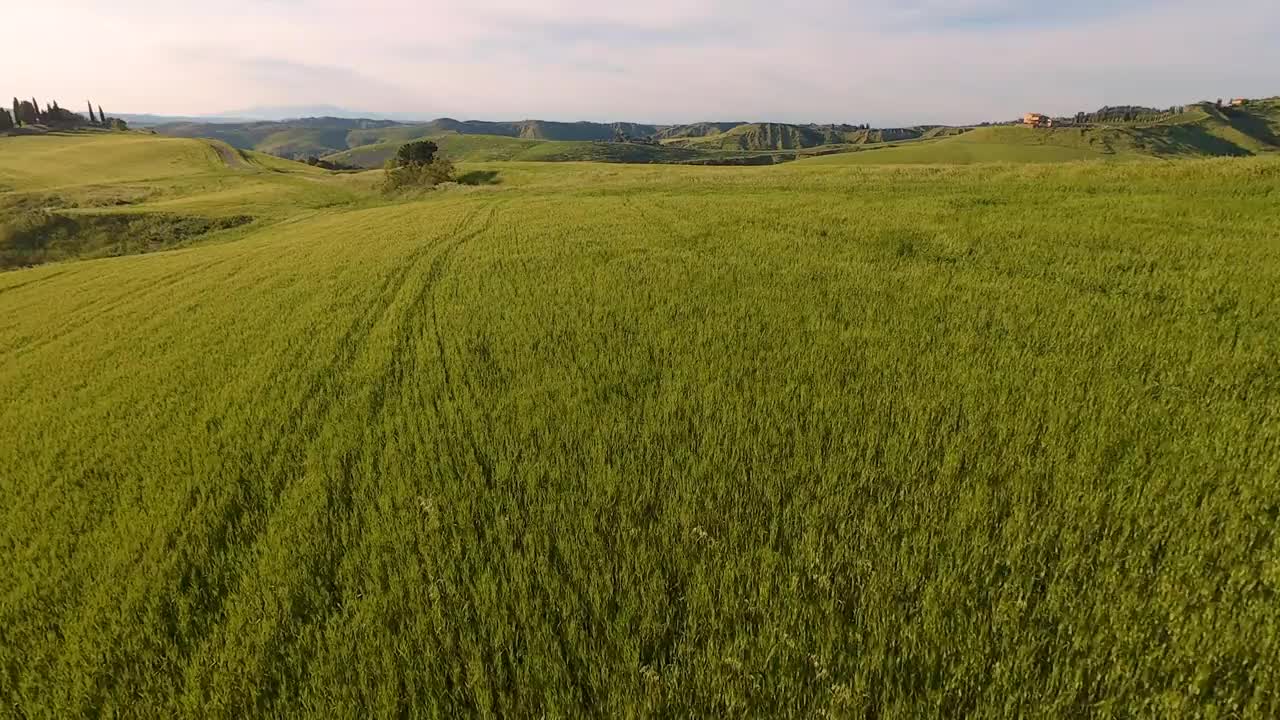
point(107, 194)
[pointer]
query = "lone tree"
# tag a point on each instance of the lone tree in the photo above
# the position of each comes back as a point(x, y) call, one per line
point(417, 165)
point(6, 120)
point(421, 152)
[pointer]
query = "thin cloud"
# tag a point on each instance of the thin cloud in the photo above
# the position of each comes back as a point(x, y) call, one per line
point(668, 61)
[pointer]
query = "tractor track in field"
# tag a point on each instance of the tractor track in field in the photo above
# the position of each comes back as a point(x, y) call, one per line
point(320, 398)
point(402, 367)
point(309, 414)
point(439, 267)
point(316, 403)
point(37, 281)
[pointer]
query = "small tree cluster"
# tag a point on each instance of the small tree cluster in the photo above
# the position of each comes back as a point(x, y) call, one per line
point(416, 165)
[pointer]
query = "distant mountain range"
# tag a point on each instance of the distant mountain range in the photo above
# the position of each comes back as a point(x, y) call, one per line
point(271, 114)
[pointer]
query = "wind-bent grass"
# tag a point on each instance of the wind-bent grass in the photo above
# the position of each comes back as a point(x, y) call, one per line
point(627, 441)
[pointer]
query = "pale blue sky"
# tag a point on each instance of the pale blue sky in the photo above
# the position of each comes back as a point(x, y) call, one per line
point(660, 61)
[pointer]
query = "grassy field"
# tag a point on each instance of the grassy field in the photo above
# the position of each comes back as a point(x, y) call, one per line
point(623, 441)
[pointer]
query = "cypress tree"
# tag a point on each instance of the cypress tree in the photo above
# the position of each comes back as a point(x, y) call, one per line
point(36, 105)
point(102, 117)
point(6, 122)
point(17, 117)
point(92, 120)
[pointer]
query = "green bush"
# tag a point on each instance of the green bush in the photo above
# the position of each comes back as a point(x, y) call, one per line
point(417, 175)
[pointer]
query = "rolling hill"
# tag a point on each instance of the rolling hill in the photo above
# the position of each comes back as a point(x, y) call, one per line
point(756, 137)
point(488, 148)
point(294, 139)
point(297, 139)
point(89, 194)
point(1203, 130)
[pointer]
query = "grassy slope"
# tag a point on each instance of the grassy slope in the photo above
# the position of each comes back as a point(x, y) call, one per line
point(91, 194)
point(303, 142)
point(397, 134)
point(656, 440)
point(983, 145)
point(49, 161)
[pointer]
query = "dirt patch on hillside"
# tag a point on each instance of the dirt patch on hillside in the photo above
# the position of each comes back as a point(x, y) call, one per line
point(230, 156)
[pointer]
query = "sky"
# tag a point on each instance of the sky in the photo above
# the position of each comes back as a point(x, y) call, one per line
point(664, 61)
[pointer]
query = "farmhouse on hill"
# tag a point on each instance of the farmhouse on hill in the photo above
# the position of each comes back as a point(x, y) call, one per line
point(1037, 120)
point(1238, 102)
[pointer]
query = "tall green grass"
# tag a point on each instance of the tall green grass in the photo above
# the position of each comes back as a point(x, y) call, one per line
point(652, 441)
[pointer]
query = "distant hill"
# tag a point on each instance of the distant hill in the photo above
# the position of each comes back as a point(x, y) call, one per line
point(367, 143)
point(293, 139)
point(696, 130)
point(1199, 130)
point(491, 148)
point(322, 136)
point(755, 137)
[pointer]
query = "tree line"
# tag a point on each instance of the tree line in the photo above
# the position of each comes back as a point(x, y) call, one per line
point(1127, 114)
point(29, 113)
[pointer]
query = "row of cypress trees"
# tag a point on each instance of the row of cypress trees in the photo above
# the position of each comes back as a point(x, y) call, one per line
point(29, 112)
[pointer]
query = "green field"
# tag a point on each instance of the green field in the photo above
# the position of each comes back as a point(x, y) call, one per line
point(622, 441)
